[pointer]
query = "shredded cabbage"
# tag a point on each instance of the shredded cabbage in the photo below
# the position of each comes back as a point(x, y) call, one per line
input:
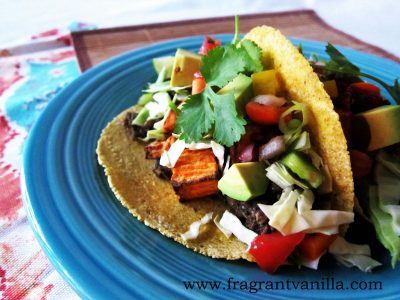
point(194, 228)
point(340, 246)
point(362, 262)
point(311, 264)
point(170, 157)
point(232, 224)
point(159, 106)
point(217, 220)
point(304, 219)
point(279, 175)
point(353, 255)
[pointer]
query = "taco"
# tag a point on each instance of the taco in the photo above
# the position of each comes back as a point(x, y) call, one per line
point(250, 145)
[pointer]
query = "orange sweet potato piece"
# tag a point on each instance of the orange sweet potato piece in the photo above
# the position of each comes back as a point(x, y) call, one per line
point(169, 123)
point(155, 149)
point(195, 174)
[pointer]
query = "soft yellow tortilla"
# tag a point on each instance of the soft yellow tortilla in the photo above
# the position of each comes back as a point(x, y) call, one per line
point(153, 200)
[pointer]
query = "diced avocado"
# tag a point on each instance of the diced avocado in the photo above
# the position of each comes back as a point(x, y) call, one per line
point(186, 63)
point(241, 86)
point(141, 118)
point(244, 181)
point(299, 164)
point(267, 83)
point(377, 128)
point(331, 88)
point(166, 62)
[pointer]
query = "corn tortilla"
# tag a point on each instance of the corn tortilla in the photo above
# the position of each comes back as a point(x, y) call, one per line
point(153, 200)
point(303, 85)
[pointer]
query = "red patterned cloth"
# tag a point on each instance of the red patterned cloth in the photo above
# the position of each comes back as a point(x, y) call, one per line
point(31, 74)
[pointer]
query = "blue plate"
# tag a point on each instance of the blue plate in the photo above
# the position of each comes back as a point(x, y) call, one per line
point(105, 253)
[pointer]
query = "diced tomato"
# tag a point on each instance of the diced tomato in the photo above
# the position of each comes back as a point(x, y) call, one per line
point(366, 88)
point(198, 83)
point(361, 163)
point(271, 250)
point(314, 245)
point(264, 114)
point(208, 44)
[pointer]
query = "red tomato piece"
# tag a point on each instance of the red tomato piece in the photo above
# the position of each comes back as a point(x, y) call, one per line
point(264, 114)
point(198, 83)
point(271, 250)
point(314, 245)
point(366, 88)
point(208, 44)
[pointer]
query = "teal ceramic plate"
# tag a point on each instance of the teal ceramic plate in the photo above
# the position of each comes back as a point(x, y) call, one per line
point(105, 253)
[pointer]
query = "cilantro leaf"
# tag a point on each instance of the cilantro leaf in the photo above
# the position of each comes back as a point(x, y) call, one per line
point(339, 63)
point(236, 38)
point(252, 54)
point(196, 118)
point(203, 111)
point(340, 66)
point(221, 65)
point(229, 127)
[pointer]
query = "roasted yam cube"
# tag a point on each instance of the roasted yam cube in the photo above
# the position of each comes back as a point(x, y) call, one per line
point(170, 121)
point(195, 174)
point(155, 149)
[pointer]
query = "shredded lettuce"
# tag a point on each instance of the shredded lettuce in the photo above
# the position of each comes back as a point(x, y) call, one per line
point(383, 226)
point(389, 194)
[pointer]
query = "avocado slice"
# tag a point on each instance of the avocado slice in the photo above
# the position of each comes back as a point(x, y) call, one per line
point(377, 128)
point(186, 63)
point(299, 164)
point(244, 181)
point(241, 87)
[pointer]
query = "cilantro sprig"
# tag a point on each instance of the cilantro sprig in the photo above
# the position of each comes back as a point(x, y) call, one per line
point(341, 66)
point(210, 113)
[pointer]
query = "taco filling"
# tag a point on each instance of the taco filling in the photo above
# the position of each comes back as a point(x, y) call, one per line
point(248, 155)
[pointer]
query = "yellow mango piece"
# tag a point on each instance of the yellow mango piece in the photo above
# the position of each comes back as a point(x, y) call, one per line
point(331, 88)
point(266, 83)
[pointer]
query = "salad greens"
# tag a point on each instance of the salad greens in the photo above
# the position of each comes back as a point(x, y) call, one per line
point(341, 66)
